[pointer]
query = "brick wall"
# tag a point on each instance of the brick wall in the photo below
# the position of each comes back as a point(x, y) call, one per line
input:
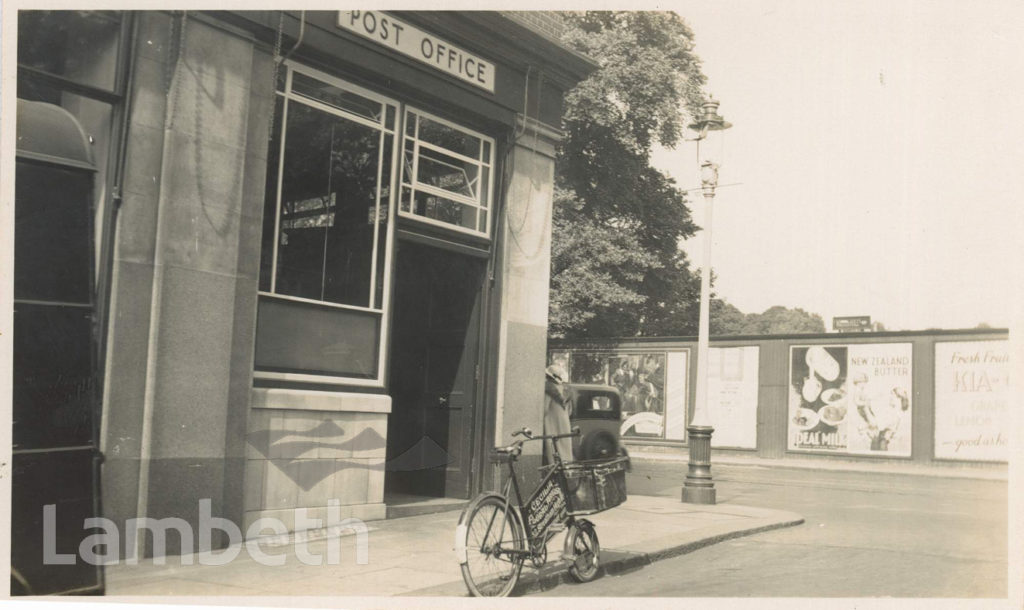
point(548, 23)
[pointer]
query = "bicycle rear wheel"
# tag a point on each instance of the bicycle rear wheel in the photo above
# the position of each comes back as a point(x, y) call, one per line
point(489, 543)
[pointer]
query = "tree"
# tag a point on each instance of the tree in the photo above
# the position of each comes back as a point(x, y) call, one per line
point(779, 320)
point(776, 320)
point(726, 319)
point(592, 265)
point(617, 269)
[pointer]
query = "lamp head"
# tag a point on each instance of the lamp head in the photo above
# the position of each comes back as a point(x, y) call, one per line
point(710, 121)
point(709, 175)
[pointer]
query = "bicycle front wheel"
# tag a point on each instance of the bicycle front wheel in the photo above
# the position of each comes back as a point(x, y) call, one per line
point(490, 546)
point(582, 547)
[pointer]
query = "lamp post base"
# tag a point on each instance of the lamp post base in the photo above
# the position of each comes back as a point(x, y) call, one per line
point(698, 487)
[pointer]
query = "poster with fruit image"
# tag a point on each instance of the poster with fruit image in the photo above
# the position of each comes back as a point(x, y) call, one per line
point(853, 399)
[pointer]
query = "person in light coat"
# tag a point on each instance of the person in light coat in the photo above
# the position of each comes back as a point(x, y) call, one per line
point(557, 410)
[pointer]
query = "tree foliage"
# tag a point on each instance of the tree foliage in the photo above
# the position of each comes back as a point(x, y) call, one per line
point(777, 320)
point(617, 269)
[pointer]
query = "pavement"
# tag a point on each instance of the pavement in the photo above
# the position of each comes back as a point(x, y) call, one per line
point(954, 470)
point(414, 556)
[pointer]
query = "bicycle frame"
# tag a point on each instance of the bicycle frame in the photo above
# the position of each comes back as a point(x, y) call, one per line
point(544, 514)
point(536, 535)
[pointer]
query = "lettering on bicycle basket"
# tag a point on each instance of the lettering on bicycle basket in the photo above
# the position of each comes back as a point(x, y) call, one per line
point(546, 505)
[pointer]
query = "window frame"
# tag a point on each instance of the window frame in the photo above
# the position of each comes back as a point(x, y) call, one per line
point(414, 186)
point(380, 309)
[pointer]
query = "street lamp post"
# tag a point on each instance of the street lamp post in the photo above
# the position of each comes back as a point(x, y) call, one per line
point(699, 488)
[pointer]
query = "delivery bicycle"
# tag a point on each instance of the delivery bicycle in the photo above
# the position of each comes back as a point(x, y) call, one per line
point(498, 532)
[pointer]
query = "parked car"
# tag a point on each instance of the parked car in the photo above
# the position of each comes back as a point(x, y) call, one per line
point(597, 411)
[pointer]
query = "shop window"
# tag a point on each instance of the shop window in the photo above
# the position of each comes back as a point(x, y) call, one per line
point(446, 174)
point(81, 46)
point(53, 383)
point(54, 207)
point(324, 252)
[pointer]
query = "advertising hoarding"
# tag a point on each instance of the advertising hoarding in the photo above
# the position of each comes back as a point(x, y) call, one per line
point(677, 387)
point(732, 396)
point(972, 419)
point(851, 399)
point(653, 402)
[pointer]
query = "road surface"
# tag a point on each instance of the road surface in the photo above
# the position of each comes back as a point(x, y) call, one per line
point(865, 535)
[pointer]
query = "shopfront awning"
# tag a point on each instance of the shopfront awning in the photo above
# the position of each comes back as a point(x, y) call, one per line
point(49, 133)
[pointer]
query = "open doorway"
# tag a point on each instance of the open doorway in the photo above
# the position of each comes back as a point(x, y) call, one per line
point(435, 350)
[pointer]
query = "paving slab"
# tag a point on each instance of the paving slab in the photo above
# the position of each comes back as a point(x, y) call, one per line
point(414, 556)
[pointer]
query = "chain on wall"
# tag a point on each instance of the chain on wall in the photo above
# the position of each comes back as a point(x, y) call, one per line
point(220, 221)
point(536, 184)
point(172, 66)
point(274, 74)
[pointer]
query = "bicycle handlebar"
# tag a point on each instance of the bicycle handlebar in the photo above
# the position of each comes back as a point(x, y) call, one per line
point(517, 447)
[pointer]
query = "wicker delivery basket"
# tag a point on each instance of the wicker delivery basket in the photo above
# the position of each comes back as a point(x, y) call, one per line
point(595, 485)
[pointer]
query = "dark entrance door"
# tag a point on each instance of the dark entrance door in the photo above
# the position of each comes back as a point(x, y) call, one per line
point(435, 350)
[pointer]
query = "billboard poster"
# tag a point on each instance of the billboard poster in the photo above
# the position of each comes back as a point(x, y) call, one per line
point(559, 360)
point(852, 399)
point(972, 419)
point(732, 396)
point(676, 390)
point(640, 379)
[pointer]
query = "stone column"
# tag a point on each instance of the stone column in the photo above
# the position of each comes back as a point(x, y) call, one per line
point(185, 273)
point(525, 248)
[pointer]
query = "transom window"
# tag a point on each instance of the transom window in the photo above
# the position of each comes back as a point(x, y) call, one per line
point(446, 174)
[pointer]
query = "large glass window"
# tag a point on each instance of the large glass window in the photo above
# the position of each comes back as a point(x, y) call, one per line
point(80, 46)
point(446, 174)
point(54, 207)
point(325, 227)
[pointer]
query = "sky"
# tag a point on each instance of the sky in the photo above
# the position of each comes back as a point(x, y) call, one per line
point(874, 158)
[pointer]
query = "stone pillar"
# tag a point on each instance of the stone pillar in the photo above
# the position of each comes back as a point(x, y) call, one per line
point(525, 241)
point(185, 273)
point(132, 273)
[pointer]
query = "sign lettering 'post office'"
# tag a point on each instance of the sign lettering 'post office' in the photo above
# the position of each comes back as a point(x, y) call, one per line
point(413, 42)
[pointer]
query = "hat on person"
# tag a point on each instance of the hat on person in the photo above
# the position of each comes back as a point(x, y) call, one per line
point(555, 373)
point(860, 378)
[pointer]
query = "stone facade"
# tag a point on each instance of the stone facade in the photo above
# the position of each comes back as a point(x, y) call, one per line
point(303, 458)
point(183, 418)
